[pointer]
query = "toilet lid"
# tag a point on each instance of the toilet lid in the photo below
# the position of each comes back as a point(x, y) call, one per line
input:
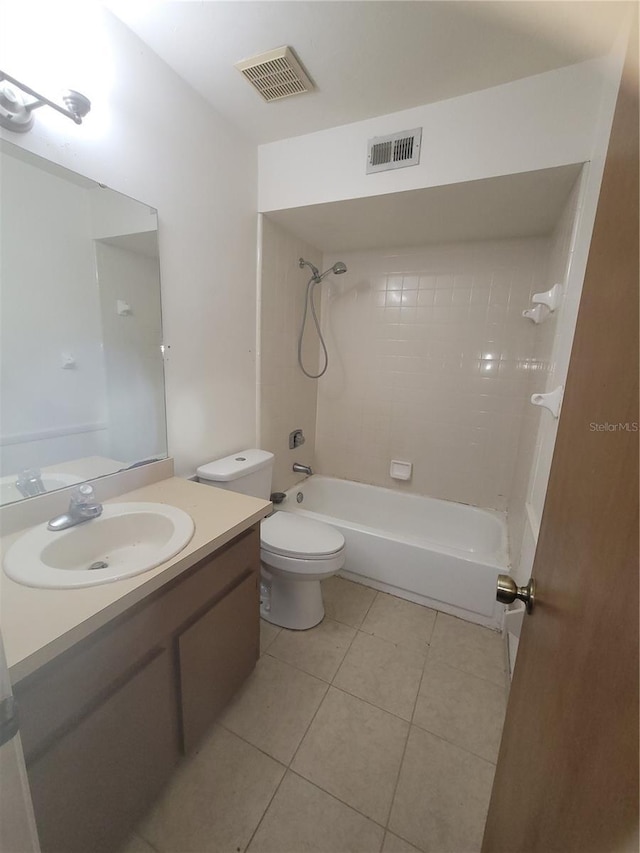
point(294, 536)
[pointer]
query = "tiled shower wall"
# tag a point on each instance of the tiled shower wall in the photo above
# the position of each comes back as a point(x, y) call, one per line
point(287, 397)
point(429, 363)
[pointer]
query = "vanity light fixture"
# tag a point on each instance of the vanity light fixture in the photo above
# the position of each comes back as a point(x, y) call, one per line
point(17, 114)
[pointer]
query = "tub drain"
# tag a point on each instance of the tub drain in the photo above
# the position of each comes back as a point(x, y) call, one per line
point(99, 565)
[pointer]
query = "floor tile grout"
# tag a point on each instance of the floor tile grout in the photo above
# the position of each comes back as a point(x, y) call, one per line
point(370, 704)
point(446, 663)
point(329, 685)
point(248, 742)
point(297, 668)
point(272, 641)
point(466, 672)
point(146, 840)
point(406, 743)
point(410, 723)
point(288, 767)
point(453, 743)
point(262, 816)
point(335, 797)
point(439, 614)
point(342, 689)
point(306, 671)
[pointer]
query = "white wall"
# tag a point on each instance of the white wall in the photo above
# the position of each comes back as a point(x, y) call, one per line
point(153, 138)
point(429, 361)
point(287, 396)
point(535, 123)
point(50, 307)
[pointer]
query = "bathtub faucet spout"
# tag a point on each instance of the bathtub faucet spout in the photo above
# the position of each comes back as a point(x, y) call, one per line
point(302, 469)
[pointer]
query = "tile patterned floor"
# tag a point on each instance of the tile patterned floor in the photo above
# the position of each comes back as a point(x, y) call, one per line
point(376, 732)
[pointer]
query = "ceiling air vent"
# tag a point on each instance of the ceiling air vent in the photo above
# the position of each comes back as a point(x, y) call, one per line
point(394, 151)
point(276, 74)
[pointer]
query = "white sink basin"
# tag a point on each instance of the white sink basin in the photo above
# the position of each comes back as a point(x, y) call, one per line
point(126, 540)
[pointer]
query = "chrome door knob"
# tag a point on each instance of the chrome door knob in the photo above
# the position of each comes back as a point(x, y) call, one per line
point(507, 591)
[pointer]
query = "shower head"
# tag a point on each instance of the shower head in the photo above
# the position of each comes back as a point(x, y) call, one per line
point(337, 269)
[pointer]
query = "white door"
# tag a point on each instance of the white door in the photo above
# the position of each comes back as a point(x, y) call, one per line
point(17, 824)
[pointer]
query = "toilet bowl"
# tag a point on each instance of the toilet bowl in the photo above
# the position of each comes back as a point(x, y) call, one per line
point(296, 553)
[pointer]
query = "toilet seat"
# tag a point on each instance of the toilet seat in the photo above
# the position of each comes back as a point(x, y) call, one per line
point(287, 535)
point(315, 569)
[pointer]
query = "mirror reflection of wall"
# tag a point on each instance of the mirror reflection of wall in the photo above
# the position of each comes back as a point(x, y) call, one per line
point(81, 366)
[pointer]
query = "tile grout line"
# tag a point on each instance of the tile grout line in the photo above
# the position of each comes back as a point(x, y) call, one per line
point(136, 832)
point(306, 671)
point(410, 723)
point(371, 704)
point(248, 742)
point(457, 668)
point(297, 668)
point(444, 662)
point(455, 745)
point(434, 734)
point(291, 760)
point(263, 815)
point(335, 797)
point(406, 743)
point(466, 672)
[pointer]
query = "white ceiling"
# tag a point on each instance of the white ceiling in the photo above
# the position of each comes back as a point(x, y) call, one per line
point(524, 205)
point(365, 58)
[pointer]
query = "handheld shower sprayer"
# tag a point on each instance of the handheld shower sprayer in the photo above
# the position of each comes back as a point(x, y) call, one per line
point(316, 277)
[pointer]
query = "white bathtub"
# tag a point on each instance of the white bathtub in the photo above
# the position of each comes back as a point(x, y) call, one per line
point(439, 553)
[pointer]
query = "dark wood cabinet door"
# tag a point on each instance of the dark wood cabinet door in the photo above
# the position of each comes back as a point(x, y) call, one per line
point(216, 655)
point(95, 783)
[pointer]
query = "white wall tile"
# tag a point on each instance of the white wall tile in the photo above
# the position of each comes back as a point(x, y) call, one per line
point(426, 352)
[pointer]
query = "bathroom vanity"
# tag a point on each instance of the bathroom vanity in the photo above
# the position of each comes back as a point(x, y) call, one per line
point(108, 706)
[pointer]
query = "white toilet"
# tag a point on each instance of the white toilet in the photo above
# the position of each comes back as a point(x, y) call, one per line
point(296, 553)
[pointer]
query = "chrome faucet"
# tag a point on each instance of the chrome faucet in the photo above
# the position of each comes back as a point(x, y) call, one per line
point(29, 483)
point(83, 506)
point(302, 469)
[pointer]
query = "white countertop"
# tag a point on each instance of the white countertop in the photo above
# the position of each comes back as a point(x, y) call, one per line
point(39, 624)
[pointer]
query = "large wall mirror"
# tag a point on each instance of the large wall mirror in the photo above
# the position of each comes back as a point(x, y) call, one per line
point(81, 363)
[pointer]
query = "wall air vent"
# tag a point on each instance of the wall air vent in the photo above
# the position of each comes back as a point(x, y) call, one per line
point(394, 151)
point(276, 74)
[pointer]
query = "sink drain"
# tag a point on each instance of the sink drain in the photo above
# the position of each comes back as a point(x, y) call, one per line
point(99, 565)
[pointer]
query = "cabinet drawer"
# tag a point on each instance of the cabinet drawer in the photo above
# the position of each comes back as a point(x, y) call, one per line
point(93, 785)
point(59, 694)
point(216, 655)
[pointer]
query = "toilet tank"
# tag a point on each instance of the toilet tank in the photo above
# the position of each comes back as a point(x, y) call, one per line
point(248, 472)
